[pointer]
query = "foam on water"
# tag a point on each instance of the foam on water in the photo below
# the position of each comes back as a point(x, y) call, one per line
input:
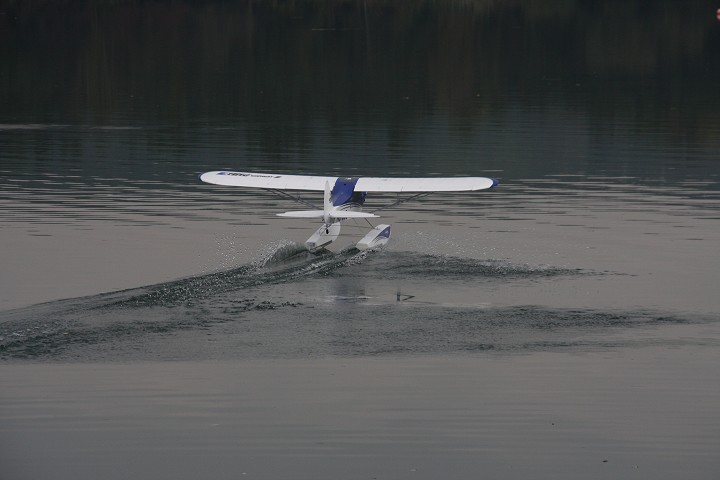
point(253, 312)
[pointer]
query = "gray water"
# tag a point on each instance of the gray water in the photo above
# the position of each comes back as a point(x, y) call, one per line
point(562, 325)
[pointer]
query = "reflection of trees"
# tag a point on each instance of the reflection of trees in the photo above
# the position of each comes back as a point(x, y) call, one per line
point(385, 60)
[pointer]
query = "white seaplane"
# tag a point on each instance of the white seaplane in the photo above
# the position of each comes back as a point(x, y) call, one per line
point(344, 197)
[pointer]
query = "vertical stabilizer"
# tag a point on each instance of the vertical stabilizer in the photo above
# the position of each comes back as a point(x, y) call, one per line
point(327, 205)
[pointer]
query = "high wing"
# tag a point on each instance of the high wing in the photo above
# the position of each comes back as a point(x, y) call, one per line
point(364, 184)
point(428, 184)
point(267, 180)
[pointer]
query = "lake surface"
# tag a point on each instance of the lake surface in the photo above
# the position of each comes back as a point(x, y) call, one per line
point(562, 325)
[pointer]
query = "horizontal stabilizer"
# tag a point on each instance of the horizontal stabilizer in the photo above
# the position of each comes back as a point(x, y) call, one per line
point(303, 214)
point(351, 214)
point(321, 214)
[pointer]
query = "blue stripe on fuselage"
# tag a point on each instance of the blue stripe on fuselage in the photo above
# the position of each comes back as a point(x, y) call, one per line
point(344, 192)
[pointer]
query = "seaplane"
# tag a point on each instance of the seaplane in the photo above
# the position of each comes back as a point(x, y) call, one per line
point(344, 197)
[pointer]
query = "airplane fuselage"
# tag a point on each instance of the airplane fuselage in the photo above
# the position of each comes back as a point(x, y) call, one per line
point(343, 195)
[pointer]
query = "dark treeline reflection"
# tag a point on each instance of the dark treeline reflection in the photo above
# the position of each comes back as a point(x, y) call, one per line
point(356, 61)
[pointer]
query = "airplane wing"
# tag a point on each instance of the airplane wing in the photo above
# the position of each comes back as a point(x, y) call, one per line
point(364, 184)
point(427, 184)
point(267, 180)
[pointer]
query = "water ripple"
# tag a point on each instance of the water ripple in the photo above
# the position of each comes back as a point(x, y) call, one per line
point(242, 312)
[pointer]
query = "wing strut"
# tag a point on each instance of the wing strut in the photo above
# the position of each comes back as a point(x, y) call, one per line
point(402, 200)
point(293, 197)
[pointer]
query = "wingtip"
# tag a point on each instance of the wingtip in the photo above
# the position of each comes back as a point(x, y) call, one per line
point(206, 175)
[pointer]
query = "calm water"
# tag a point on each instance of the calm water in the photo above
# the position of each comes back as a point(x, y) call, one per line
point(563, 325)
